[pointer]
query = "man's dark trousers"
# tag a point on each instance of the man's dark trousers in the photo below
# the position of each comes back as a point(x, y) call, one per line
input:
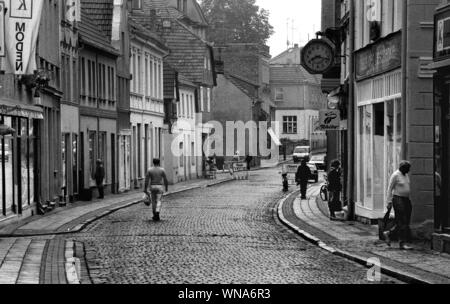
point(303, 188)
point(101, 190)
point(403, 211)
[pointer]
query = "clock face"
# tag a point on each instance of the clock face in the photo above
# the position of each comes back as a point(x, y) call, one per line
point(317, 56)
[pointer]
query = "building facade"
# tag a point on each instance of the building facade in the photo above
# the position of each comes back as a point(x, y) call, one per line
point(441, 69)
point(98, 101)
point(30, 115)
point(146, 100)
point(387, 92)
point(298, 98)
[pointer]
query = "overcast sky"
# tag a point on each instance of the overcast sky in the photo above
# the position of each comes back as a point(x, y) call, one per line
point(305, 15)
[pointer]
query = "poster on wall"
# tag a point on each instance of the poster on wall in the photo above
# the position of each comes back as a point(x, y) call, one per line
point(22, 22)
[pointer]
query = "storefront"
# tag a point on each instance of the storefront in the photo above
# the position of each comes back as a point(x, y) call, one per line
point(379, 123)
point(441, 67)
point(19, 179)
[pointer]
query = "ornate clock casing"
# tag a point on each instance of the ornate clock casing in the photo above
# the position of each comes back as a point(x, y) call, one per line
point(318, 56)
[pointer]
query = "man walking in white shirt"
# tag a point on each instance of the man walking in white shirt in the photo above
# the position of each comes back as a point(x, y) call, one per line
point(398, 197)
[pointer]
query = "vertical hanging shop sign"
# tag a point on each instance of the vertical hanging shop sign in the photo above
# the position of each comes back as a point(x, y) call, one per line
point(22, 23)
point(2, 29)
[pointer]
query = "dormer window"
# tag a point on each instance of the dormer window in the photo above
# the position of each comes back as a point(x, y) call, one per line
point(136, 4)
point(182, 5)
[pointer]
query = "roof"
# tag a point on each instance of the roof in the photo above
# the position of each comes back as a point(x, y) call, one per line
point(292, 74)
point(101, 13)
point(247, 87)
point(90, 35)
point(187, 49)
point(139, 30)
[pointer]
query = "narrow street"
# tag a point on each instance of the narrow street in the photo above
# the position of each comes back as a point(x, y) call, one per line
point(227, 234)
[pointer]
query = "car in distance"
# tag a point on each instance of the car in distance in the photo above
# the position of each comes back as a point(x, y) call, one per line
point(302, 152)
point(319, 161)
point(314, 172)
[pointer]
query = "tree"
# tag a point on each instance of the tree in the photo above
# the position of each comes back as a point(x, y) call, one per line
point(237, 21)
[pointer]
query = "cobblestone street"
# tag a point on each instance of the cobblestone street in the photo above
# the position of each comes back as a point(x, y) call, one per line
point(225, 234)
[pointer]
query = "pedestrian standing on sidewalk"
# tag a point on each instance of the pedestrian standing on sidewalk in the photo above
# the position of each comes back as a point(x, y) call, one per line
point(248, 159)
point(398, 197)
point(334, 189)
point(99, 177)
point(155, 184)
point(302, 177)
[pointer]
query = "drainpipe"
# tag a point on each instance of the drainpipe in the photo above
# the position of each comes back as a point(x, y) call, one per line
point(351, 116)
point(404, 77)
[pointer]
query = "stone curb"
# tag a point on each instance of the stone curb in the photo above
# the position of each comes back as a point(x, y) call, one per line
point(390, 271)
point(84, 224)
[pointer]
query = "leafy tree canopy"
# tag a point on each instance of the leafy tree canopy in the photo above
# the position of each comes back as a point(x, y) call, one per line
point(239, 21)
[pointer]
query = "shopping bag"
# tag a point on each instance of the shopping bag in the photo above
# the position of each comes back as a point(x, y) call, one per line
point(147, 200)
point(387, 224)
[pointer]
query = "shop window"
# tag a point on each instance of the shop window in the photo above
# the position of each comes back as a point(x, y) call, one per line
point(378, 154)
point(75, 163)
point(102, 151)
point(193, 153)
point(181, 155)
point(92, 151)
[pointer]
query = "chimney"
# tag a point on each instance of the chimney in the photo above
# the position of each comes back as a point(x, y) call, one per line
point(153, 19)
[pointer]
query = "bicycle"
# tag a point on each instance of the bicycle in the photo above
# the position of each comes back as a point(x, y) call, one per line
point(324, 189)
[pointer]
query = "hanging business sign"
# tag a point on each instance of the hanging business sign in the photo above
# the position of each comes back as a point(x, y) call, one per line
point(379, 57)
point(329, 120)
point(22, 22)
point(2, 29)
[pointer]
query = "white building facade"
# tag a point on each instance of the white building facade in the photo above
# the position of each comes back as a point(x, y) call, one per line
point(146, 107)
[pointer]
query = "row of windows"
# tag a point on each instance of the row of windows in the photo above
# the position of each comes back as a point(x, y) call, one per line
point(97, 80)
point(205, 99)
point(68, 78)
point(186, 106)
point(147, 75)
point(389, 13)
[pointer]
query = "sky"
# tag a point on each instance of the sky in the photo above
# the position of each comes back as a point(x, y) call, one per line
point(302, 15)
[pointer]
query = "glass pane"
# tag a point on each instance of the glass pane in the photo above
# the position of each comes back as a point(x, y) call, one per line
point(9, 159)
point(75, 163)
point(361, 194)
point(398, 133)
point(378, 156)
point(31, 156)
point(368, 152)
point(64, 161)
point(390, 140)
point(92, 142)
point(24, 162)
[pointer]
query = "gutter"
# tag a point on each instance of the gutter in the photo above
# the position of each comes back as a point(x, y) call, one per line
point(404, 77)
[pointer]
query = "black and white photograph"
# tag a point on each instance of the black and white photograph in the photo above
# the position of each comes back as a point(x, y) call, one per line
point(246, 144)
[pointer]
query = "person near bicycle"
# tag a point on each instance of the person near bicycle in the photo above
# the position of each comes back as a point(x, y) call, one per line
point(302, 177)
point(334, 189)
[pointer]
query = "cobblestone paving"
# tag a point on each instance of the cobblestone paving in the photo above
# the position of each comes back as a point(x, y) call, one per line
point(225, 235)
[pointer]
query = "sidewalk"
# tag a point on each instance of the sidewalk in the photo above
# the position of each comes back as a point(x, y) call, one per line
point(359, 242)
point(76, 216)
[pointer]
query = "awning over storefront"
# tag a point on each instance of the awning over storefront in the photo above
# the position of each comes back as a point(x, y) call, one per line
point(13, 108)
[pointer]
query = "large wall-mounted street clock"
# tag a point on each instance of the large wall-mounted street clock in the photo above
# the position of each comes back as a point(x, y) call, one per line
point(318, 56)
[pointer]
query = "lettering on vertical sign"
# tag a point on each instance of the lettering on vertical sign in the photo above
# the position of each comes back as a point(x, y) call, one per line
point(21, 9)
